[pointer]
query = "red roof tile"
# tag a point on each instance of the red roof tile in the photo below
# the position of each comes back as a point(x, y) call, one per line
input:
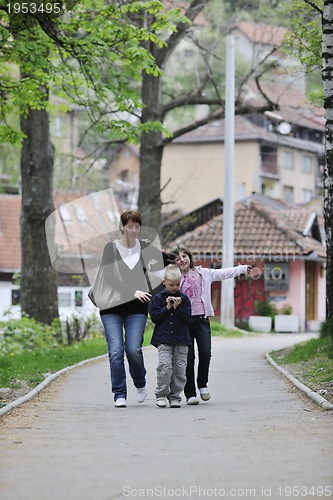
point(260, 231)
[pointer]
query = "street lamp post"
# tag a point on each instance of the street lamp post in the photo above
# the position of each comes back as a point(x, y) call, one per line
point(227, 288)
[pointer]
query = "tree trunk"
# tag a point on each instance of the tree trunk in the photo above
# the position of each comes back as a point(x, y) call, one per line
point(151, 152)
point(38, 278)
point(327, 55)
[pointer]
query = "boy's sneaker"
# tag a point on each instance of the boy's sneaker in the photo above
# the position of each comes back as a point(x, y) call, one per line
point(161, 402)
point(192, 401)
point(204, 394)
point(120, 403)
point(141, 394)
point(174, 403)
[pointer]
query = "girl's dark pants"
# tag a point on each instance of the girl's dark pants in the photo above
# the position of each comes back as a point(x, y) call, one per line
point(199, 328)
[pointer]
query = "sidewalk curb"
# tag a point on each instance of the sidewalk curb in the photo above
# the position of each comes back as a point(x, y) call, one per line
point(38, 389)
point(319, 400)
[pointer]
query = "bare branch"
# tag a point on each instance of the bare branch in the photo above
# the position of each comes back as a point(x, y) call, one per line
point(190, 99)
point(195, 7)
point(314, 6)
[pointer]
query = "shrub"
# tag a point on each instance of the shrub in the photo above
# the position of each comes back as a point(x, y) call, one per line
point(326, 328)
point(286, 309)
point(27, 334)
point(265, 308)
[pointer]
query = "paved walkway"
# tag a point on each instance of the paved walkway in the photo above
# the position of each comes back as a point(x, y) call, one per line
point(258, 437)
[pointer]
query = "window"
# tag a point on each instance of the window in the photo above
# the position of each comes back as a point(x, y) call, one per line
point(123, 175)
point(127, 154)
point(16, 297)
point(78, 298)
point(306, 195)
point(288, 194)
point(64, 214)
point(287, 159)
point(64, 299)
point(80, 215)
point(241, 191)
point(307, 164)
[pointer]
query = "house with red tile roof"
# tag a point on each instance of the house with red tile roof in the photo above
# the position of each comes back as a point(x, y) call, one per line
point(286, 247)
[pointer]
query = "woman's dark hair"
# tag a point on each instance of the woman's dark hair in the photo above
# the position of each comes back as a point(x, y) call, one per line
point(178, 249)
point(132, 215)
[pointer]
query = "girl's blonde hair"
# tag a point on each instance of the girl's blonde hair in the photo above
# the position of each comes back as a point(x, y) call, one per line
point(172, 272)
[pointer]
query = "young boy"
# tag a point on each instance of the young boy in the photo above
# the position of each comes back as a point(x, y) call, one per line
point(171, 311)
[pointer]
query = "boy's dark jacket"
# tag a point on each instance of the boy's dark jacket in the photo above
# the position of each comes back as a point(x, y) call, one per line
point(170, 324)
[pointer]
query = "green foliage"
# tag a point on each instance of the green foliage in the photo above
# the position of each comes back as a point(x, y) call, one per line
point(304, 22)
point(76, 329)
point(89, 55)
point(33, 366)
point(286, 309)
point(308, 350)
point(265, 308)
point(326, 328)
point(26, 334)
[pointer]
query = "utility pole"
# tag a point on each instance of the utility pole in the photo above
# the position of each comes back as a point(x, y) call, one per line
point(227, 287)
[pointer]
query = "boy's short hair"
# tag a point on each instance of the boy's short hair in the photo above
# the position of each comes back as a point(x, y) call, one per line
point(172, 272)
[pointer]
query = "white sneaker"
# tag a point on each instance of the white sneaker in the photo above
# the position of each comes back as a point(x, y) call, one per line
point(161, 402)
point(141, 394)
point(192, 401)
point(120, 403)
point(174, 403)
point(204, 394)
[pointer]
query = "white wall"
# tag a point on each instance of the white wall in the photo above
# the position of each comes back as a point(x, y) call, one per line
point(65, 311)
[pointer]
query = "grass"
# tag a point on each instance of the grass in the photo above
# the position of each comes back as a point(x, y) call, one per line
point(33, 366)
point(311, 362)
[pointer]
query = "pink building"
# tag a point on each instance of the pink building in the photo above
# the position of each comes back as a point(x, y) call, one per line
point(285, 245)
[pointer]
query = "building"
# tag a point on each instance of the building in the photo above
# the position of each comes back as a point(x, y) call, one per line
point(280, 155)
point(285, 246)
point(75, 246)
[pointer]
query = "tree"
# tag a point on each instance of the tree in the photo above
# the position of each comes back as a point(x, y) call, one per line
point(311, 26)
point(157, 104)
point(327, 56)
point(90, 53)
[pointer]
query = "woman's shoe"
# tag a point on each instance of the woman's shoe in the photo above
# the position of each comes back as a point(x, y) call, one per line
point(120, 403)
point(141, 394)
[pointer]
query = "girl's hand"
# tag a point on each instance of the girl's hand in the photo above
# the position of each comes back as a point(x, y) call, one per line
point(142, 296)
point(249, 271)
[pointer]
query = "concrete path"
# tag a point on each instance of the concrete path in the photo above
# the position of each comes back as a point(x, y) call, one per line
point(257, 437)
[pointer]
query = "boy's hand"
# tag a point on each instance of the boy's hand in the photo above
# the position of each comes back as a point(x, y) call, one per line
point(176, 302)
point(173, 302)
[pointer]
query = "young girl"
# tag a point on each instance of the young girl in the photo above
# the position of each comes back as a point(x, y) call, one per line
point(196, 284)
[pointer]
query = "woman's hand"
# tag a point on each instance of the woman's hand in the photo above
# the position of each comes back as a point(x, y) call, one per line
point(142, 296)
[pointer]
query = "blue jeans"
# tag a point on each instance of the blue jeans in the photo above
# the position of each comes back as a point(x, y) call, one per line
point(199, 328)
point(118, 344)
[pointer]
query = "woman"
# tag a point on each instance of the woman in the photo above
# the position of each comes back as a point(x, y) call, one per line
point(196, 284)
point(124, 264)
